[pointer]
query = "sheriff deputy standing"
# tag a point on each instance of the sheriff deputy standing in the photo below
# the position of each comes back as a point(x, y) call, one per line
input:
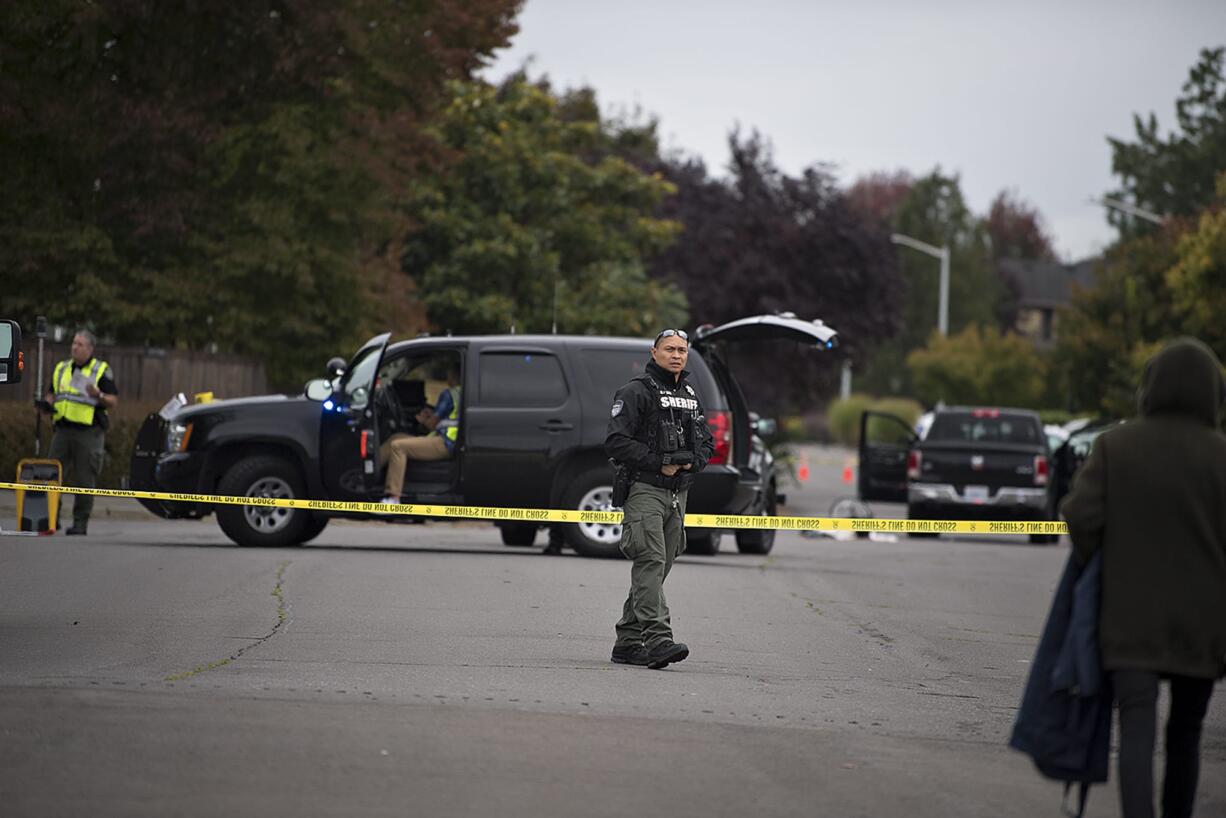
point(658, 433)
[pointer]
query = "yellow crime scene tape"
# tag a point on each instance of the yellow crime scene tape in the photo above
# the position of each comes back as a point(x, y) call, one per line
point(552, 515)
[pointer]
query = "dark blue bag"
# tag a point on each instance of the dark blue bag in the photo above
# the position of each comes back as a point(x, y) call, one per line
point(1064, 723)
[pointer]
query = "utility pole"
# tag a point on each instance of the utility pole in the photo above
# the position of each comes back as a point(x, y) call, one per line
point(941, 253)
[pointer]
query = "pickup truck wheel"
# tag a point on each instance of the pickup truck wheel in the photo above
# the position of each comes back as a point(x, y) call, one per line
point(704, 542)
point(518, 534)
point(592, 491)
point(264, 476)
point(760, 541)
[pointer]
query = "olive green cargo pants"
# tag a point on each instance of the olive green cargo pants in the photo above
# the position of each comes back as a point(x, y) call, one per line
point(653, 535)
point(81, 453)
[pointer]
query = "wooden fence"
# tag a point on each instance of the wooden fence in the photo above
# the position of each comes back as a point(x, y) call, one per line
point(149, 374)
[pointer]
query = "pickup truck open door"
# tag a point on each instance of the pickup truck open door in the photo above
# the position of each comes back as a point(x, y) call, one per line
point(885, 442)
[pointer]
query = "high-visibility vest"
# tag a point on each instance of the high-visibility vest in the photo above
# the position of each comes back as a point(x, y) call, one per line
point(70, 404)
point(449, 427)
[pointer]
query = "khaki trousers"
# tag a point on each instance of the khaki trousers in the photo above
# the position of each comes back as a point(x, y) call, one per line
point(401, 448)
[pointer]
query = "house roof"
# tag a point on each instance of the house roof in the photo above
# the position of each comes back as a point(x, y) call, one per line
point(1046, 284)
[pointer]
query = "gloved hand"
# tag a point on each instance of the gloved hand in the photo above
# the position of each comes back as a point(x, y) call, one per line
point(682, 458)
point(42, 405)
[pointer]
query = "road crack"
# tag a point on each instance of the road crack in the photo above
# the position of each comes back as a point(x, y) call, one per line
point(278, 592)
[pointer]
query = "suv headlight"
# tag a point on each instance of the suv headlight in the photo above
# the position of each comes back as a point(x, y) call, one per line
point(177, 436)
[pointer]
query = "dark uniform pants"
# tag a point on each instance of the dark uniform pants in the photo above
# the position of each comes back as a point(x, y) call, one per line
point(80, 452)
point(653, 536)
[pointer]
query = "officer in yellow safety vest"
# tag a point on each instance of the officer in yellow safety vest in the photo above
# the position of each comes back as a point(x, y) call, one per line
point(443, 421)
point(82, 390)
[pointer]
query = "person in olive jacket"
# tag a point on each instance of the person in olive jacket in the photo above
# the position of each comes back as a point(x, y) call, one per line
point(1152, 496)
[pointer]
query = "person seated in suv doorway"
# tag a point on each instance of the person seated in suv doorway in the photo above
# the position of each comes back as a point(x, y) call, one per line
point(443, 424)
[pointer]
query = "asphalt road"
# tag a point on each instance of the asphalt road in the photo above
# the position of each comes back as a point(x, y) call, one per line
point(155, 669)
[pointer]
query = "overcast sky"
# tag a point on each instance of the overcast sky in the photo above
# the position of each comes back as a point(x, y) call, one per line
point(1018, 95)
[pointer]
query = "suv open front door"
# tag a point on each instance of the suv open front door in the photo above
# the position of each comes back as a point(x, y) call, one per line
point(349, 428)
point(885, 443)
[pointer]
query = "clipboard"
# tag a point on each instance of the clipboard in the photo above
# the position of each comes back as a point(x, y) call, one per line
point(79, 382)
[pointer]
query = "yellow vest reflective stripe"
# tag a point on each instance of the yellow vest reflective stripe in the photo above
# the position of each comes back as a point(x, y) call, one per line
point(449, 427)
point(70, 404)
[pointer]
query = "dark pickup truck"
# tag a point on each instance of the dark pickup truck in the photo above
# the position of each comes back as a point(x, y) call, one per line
point(534, 413)
point(973, 463)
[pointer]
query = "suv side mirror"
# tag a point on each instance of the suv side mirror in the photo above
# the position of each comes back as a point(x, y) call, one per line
point(12, 359)
point(319, 389)
point(335, 368)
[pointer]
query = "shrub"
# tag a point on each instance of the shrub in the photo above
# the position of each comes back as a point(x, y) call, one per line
point(979, 367)
point(811, 426)
point(905, 408)
point(1058, 417)
point(843, 416)
point(17, 422)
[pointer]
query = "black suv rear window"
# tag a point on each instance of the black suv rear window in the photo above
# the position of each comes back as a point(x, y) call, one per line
point(985, 427)
point(609, 370)
point(521, 379)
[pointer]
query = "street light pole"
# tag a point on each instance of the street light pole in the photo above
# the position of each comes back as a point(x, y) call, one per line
point(1130, 209)
point(941, 253)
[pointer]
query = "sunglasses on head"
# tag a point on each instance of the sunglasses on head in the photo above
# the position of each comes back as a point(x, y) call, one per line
point(680, 333)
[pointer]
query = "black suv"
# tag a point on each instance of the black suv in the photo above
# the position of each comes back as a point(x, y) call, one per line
point(533, 416)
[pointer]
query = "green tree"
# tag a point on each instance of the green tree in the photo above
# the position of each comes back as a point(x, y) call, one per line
point(1198, 277)
point(1159, 281)
point(534, 223)
point(1174, 174)
point(763, 241)
point(934, 211)
point(1108, 331)
point(978, 366)
point(179, 174)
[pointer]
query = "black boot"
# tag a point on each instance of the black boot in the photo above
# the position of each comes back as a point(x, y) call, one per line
point(77, 530)
point(555, 543)
point(665, 654)
point(629, 655)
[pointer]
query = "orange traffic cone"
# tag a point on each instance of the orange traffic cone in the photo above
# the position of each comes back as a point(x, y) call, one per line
point(849, 474)
point(802, 471)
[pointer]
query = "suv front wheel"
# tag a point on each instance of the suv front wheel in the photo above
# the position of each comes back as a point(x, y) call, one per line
point(760, 541)
point(270, 526)
point(703, 542)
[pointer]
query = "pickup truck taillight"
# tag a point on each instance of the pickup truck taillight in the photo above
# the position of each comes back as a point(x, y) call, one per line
point(914, 460)
point(721, 430)
point(1040, 470)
